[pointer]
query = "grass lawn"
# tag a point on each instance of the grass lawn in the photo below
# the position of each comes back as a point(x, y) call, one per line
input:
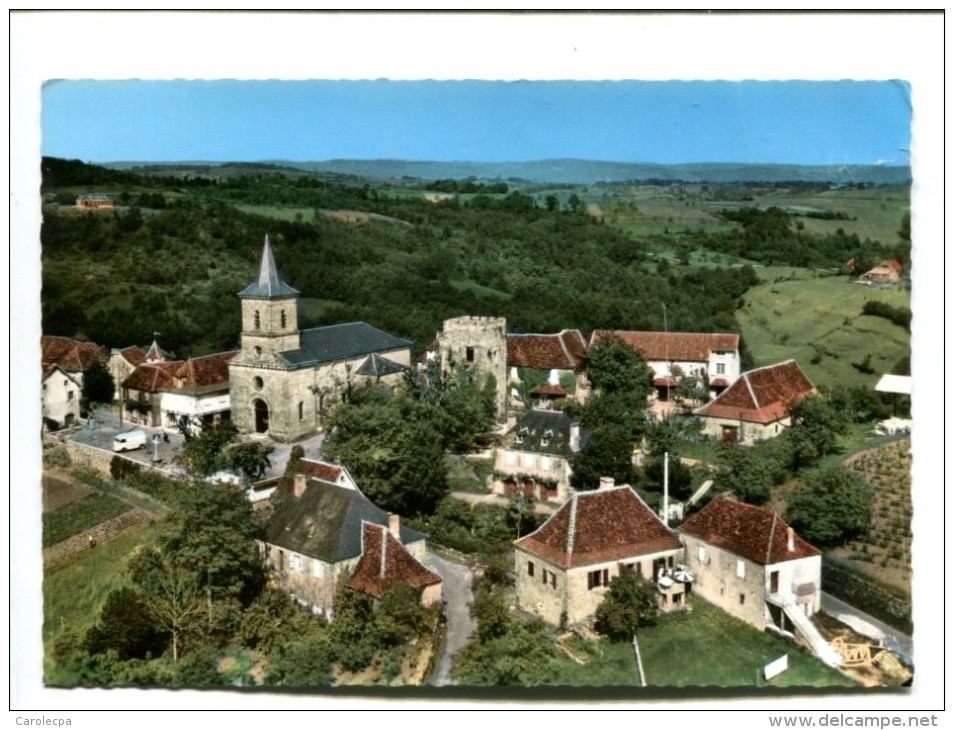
point(74, 593)
point(706, 647)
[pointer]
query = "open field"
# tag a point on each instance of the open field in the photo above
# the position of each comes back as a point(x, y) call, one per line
point(873, 214)
point(818, 322)
point(74, 593)
point(705, 647)
point(60, 490)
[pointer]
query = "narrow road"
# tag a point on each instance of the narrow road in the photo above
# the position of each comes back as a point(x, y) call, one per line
point(458, 594)
point(869, 626)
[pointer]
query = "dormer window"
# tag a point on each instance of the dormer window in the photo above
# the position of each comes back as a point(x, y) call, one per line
point(522, 434)
point(547, 437)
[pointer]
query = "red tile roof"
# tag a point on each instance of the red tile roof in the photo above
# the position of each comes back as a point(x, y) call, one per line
point(762, 395)
point(563, 351)
point(69, 354)
point(753, 533)
point(206, 370)
point(554, 391)
point(385, 562)
point(598, 527)
point(672, 346)
point(320, 470)
point(151, 377)
point(133, 355)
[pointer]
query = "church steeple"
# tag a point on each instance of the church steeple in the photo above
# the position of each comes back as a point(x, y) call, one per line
point(268, 285)
point(269, 315)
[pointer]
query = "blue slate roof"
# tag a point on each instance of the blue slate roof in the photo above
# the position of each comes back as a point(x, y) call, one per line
point(341, 342)
point(378, 365)
point(268, 285)
point(325, 522)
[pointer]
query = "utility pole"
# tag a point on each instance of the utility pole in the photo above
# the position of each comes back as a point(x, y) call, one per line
point(666, 489)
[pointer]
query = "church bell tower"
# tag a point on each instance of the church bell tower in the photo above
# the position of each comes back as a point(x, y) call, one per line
point(269, 316)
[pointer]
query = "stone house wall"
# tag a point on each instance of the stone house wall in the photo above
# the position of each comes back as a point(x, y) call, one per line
point(572, 593)
point(543, 467)
point(719, 581)
point(749, 433)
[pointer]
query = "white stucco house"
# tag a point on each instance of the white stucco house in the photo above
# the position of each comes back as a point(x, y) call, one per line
point(713, 357)
point(747, 561)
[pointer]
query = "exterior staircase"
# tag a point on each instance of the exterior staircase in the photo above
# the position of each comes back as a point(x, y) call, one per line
point(806, 629)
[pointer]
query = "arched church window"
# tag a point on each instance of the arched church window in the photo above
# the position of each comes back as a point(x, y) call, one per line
point(301, 410)
point(258, 383)
point(284, 320)
point(258, 320)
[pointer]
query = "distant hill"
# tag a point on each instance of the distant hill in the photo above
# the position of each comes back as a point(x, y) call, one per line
point(571, 171)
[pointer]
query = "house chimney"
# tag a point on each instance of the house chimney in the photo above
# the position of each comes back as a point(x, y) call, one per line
point(574, 437)
point(607, 482)
point(791, 540)
point(394, 525)
point(298, 487)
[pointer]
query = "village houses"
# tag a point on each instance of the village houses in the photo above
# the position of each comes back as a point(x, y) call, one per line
point(325, 531)
point(747, 561)
point(712, 358)
point(63, 362)
point(757, 406)
point(563, 569)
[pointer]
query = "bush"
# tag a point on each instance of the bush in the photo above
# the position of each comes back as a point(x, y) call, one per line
point(121, 468)
point(900, 316)
point(629, 604)
point(125, 627)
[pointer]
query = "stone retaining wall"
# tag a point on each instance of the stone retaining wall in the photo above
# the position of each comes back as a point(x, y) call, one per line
point(101, 533)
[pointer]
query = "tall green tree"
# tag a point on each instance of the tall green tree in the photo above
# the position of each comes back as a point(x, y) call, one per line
point(612, 368)
point(745, 471)
point(251, 459)
point(98, 385)
point(517, 657)
point(127, 627)
point(206, 452)
point(816, 426)
point(831, 509)
point(394, 447)
point(172, 595)
point(211, 533)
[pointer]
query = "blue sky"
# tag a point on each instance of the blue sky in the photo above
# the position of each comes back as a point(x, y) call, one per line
point(797, 122)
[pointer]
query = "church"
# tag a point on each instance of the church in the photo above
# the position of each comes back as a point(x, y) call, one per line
point(283, 379)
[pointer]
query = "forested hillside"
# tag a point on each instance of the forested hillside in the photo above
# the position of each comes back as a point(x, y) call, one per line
point(176, 251)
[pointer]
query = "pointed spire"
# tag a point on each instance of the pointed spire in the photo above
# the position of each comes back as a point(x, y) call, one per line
point(268, 284)
point(155, 353)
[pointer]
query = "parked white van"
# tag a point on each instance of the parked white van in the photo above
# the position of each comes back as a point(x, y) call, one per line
point(130, 440)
